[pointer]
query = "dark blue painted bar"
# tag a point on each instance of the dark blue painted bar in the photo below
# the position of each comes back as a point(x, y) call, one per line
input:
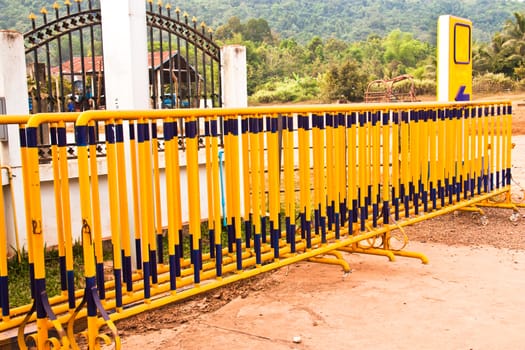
point(218, 259)
point(62, 267)
point(406, 202)
point(119, 132)
point(40, 292)
point(343, 211)
point(62, 140)
point(196, 266)
point(91, 305)
point(169, 131)
point(92, 138)
point(508, 176)
point(31, 137)
point(53, 135)
point(118, 287)
point(433, 197)
point(252, 123)
point(146, 278)
point(260, 124)
point(355, 208)
point(153, 130)
point(22, 136)
point(424, 199)
point(244, 125)
point(274, 125)
point(292, 238)
point(385, 118)
point(213, 128)
point(341, 119)
point(211, 237)
point(173, 272)
point(70, 276)
point(146, 132)
point(234, 127)
point(364, 214)
point(304, 122)
point(110, 133)
point(317, 220)
point(385, 211)
point(257, 247)
point(404, 117)
point(126, 264)
point(375, 118)
point(160, 246)
point(337, 226)
point(268, 123)
point(4, 295)
point(330, 214)
point(248, 231)
point(131, 131)
point(395, 117)
point(362, 119)
point(323, 228)
point(100, 280)
point(290, 123)
point(138, 252)
point(329, 121)
point(375, 214)
point(141, 137)
point(153, 266)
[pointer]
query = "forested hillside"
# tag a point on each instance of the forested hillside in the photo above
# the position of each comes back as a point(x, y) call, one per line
point(303, 19)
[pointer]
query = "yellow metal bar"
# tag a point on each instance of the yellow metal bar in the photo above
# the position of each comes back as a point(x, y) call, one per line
point(123, 200)
point(135, 184)
point(156, 182)
point(96, 226)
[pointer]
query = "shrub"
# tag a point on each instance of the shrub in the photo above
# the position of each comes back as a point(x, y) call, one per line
point(491, 83)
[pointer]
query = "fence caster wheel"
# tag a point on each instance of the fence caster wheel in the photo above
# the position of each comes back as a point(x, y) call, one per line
point(483, 220)
point(514, 217)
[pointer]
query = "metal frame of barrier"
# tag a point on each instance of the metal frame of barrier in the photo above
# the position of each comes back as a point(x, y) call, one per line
point(350, 176)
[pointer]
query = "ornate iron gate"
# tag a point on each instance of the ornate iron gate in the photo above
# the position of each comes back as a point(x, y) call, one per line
point(66, 67)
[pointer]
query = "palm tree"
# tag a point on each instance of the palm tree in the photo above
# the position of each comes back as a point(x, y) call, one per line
point(513, 43)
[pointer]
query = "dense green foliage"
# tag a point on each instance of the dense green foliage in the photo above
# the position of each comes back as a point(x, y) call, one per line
point(311, 50)
point(302, 20)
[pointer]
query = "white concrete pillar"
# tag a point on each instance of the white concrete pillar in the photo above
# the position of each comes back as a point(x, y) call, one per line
point(13, 87)
point(124, 36)
point(235, 92)
point(234, 76)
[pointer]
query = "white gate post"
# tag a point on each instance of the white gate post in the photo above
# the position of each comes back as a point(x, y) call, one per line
point(13, 88)
point(124, 37)
point(235, 92)
point(234, 80)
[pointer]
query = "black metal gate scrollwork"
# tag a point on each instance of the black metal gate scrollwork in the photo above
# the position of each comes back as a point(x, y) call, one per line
point(65, 62)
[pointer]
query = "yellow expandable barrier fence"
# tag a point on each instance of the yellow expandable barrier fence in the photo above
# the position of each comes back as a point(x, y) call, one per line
point(236, 192)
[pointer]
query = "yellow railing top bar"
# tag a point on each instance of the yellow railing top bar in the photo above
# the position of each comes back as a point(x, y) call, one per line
point(37, 119)
point(93, 115)
point(14, 119)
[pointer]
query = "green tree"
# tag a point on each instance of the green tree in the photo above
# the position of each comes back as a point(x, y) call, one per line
point(344, 81)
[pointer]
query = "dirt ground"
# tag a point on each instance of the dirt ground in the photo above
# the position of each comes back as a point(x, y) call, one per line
point(469, 296)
